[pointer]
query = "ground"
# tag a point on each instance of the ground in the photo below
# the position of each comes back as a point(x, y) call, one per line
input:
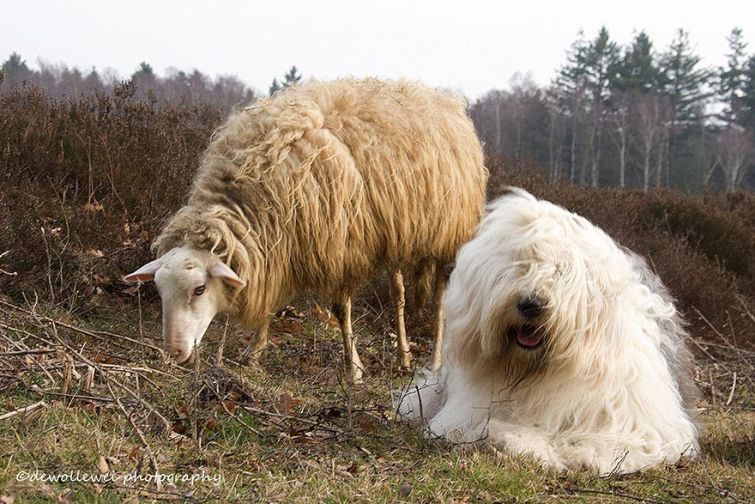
point(288, 429)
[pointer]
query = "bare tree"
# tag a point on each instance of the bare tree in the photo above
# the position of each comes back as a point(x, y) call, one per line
point(650, 110)
point(555, 140)
point(732, 147)
point(660, 157)
point(620, 117)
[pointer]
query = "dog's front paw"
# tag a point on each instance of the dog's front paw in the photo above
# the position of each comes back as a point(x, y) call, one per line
point(534, 445)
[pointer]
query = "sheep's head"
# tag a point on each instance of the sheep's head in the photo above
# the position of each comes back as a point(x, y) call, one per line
point(190, 283)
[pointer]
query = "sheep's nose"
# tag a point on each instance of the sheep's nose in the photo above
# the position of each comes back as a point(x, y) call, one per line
point(530, 307)
point(178, 353)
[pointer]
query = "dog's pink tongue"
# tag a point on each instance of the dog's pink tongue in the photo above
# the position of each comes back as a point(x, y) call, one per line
point(528, 338)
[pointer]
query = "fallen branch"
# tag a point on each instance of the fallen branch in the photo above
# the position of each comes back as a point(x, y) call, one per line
point(318, 425)
point(139, 434)
point(25, 409)
point(93, 334)
point(27, 352)
point(38, 390)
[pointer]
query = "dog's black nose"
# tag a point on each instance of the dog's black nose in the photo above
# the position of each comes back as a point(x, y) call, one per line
point(530, 307)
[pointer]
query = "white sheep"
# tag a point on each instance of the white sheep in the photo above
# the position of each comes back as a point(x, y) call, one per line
point(312, 190)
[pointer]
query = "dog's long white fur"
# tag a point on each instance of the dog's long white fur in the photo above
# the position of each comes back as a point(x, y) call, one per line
point(610, 388)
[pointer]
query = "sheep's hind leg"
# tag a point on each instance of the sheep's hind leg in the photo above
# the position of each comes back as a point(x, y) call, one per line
point(397, 288)
point(440, 320)
point(252, 353)
point(342, 311)
point(261, 342)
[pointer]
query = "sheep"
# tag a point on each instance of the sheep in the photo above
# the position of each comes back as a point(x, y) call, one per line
point(313, 190)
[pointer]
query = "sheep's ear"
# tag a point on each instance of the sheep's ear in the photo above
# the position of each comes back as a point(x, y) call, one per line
point(145, 273)
point(219, 269)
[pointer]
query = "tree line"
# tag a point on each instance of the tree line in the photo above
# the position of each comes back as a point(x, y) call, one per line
point(178, 86)
point(612, 115)
point(631, 116)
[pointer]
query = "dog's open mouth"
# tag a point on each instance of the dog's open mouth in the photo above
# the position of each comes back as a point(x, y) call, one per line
point(527, 336)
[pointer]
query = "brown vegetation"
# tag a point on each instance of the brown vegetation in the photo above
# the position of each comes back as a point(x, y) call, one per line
point(87, 184)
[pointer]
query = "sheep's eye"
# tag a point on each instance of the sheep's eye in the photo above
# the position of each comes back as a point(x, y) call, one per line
point(199, 290)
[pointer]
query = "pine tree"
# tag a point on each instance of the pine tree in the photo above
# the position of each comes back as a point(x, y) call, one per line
point(685, 80)
point(144, 70)
point(145, 81)
point(638, 78)
point(274, 87)
point(732, 78)
point(638, 72)
point(292, 77)
point(570, 90)
point(687, 91)
point(600, 60)
point(15, 71)
point(748, 99)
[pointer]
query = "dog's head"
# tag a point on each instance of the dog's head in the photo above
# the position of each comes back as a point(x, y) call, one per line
point(532, 290)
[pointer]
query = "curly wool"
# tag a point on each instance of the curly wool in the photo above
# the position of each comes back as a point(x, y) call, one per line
point(313, 189)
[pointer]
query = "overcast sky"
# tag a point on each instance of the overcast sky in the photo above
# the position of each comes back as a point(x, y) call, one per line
point(471, 46)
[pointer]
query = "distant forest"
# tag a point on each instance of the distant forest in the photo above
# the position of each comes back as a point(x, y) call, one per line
point(613, 115)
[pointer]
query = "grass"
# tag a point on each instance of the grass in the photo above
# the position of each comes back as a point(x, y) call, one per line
point(287, 429)
point(94, 179)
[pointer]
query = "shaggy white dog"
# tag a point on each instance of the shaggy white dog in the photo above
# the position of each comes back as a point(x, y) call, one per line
point(560, 345)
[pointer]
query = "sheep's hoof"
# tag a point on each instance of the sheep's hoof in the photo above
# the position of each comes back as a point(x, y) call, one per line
point(405, 362)
point(356, 376)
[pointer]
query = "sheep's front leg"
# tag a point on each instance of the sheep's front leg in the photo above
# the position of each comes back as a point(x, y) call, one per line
point(440, 320)
point(342, 311)
point(397, 288)
point(261, 342)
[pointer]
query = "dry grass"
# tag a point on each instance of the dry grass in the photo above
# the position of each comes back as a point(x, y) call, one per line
point(289, 429)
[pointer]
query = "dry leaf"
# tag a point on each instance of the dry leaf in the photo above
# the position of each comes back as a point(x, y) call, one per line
point(289, 326)
point(325, 316)
point(176, 437)
point(287, 402)
point(229, 406)
point(404, 490)
point(88, 379)
point(67, 377)
point(353, 468)
point(51, 231)
point(134, 453)
point(366, 424)
point(102, 465)
point(181, 410)
point(93, 207)
point(95, 253)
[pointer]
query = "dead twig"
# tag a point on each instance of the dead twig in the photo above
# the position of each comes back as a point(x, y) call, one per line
point(616, 493)
point(28, 352)
point(139, 434)
point(221, 346)
point(79, 330)
point(318, 425)
point(733, 387)
point(24, 410)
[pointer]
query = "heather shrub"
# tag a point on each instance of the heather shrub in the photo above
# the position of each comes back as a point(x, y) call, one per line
point(87, 182)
